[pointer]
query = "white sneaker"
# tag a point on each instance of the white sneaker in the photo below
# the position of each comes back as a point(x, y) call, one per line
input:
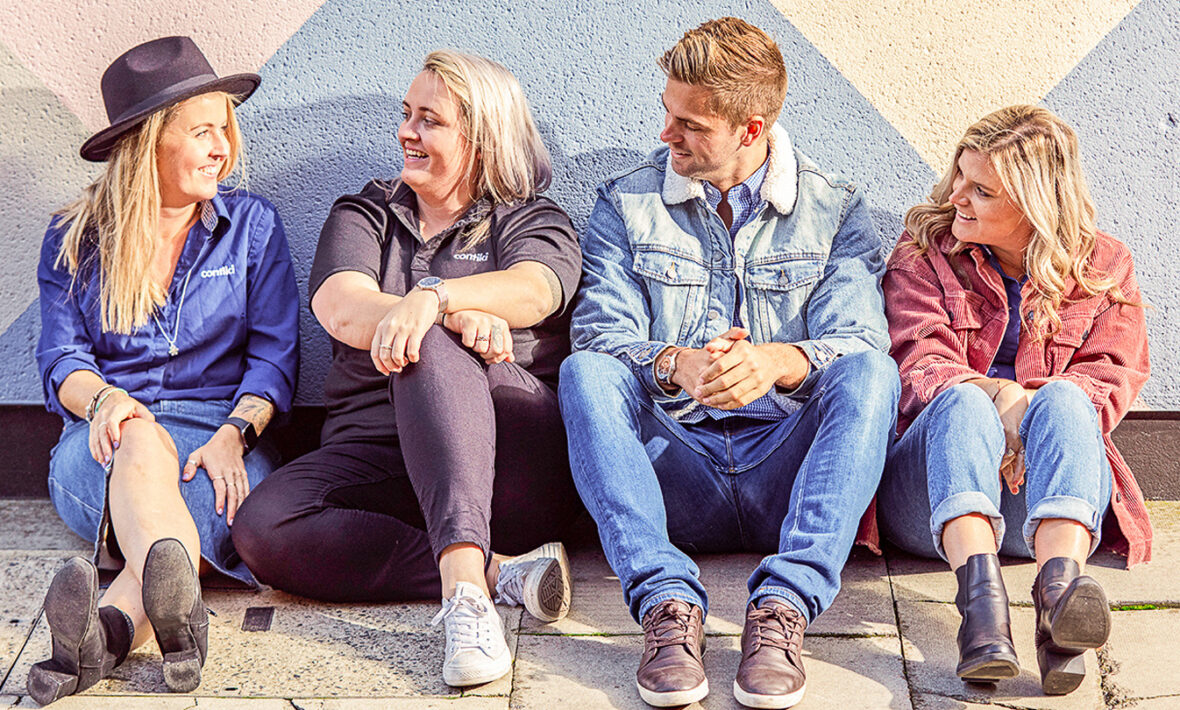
point(476, 650)
point(538, 580)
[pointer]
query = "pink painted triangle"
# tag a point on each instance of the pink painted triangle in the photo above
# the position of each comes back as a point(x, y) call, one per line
point(68, 45)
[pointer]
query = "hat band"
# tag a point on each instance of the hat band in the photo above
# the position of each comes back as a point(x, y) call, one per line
point(163, 98)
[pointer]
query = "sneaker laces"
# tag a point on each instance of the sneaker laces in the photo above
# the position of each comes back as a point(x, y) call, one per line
point(468, 623)
point(777, 626)
point(668, 625)
point(510, 583)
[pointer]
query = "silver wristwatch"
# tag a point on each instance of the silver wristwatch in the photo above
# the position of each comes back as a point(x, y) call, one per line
point(434, 283)
point(666, 370)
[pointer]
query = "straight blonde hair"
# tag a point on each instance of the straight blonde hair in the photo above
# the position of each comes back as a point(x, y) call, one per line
point(1036, 156)
point(507, 157)
point(117, 216)
point(738, 63)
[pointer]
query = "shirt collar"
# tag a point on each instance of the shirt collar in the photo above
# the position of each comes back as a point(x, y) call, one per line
point(213, 214)
point(746, 189)
point(403, 203)
point(779, 188)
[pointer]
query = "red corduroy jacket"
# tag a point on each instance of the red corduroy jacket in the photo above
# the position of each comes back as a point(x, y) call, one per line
point(947, 317)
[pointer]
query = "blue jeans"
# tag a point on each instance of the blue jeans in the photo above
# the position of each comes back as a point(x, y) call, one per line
point(947, 464)
point(78, 483)
point(795, 488)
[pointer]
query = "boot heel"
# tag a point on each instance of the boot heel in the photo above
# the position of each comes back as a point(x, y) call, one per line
point(182, 670)
point(1061, 671)
point(46, 684)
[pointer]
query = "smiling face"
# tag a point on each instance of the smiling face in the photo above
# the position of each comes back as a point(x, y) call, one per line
point(192, 150)
point(436, 151)
point(703, 144)
point(984, 212)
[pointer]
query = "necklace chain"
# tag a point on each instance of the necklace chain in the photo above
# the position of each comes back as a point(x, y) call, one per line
point(173, 350)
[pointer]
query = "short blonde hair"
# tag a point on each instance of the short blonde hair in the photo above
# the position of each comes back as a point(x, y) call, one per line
point(1036, 156)
point(508, 158)
point(740, 65)
point(119, 214)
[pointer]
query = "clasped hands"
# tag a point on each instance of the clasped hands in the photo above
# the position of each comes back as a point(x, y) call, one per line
point(1011, 402)
point(397, 341)
point(730, 371)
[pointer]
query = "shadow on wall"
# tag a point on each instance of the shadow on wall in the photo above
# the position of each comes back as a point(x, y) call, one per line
point(342, 144)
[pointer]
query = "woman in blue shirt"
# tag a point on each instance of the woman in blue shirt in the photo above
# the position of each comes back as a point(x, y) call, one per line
point(169, 338)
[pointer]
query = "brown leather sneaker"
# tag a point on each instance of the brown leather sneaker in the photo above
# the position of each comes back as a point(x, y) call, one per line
point(671, 672)
point(771, 672)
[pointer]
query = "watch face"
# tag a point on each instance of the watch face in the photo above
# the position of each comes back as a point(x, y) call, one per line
point(430, 282)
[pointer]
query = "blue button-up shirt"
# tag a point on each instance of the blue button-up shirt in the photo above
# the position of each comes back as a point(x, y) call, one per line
point(232, 310)
point(745, 198)
point(1004, 364)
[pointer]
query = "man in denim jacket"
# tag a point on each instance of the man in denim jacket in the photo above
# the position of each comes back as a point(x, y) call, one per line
point(731, 389)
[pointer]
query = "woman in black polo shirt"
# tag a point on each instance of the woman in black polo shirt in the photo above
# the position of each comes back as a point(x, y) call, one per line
point(446, 294)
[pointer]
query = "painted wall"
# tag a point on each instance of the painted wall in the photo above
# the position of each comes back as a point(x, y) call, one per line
point(879, 91)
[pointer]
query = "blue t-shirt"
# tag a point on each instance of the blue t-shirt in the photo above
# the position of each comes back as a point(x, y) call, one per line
point(1004, 363)
point(232, 312)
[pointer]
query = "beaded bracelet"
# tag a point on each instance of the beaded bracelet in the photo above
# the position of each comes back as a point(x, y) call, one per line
point(92, 407)
point(108, 394)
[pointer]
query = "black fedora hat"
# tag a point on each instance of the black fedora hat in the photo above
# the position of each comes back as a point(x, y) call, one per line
point(152, 76)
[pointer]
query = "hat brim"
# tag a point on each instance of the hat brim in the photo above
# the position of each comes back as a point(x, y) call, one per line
point(99, 146)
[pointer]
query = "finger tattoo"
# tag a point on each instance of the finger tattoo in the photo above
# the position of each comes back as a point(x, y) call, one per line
point(497, 337)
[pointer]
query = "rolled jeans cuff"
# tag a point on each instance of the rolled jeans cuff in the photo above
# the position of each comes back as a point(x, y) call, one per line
point(680, 592)
point(771, 590)
point(958, 505)
point(1064, 507)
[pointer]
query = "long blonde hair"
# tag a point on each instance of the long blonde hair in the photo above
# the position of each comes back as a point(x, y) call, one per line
point(118, 216)
point(507, 158)
point(1036, 156)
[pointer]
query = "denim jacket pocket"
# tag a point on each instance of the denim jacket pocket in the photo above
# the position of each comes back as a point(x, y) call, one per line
point(676, 285)
point(778, 290)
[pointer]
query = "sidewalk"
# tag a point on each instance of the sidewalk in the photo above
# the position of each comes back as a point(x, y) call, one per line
point(887, 642)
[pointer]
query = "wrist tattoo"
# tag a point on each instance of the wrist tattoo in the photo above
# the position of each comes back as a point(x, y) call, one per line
point(254, 409)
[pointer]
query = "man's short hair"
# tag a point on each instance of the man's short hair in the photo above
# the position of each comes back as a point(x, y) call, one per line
point(739, 63)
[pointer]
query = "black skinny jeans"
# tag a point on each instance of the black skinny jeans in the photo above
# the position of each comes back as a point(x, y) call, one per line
point(482, 459)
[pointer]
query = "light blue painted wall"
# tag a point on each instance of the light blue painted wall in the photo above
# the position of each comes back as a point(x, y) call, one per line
point(325, 120)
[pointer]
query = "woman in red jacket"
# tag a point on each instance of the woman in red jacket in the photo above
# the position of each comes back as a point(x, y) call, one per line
point(1021, 342)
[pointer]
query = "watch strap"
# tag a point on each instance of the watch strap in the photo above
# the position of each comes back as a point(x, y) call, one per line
point(246, 429)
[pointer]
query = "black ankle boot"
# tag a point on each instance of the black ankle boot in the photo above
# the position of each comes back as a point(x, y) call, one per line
point(986, 653)
point(172, 602)
point(1072, 616)
point(81, 652)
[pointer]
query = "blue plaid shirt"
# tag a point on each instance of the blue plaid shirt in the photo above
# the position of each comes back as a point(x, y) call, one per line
point(745, 201)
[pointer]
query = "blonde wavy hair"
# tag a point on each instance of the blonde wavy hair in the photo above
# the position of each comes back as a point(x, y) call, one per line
point(738, 63)
point(1036, 156)
point(507, 158)
point(117, 219)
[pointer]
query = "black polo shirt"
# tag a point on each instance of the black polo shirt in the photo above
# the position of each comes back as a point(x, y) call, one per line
point(375, 232)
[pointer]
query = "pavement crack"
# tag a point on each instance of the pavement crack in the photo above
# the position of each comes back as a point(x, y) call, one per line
point(1113, 694)
point(905, 667)
point(24, 644)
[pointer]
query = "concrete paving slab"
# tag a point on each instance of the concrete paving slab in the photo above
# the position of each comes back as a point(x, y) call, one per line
point(92, 702)
point(929, 629)
point(33, 524)
point(927, 701)
point(918, 579)
point(864, 606)
point(316, 649)
point(24, 579)
point(465, 703)
point(1142, 647)
point(599, 672)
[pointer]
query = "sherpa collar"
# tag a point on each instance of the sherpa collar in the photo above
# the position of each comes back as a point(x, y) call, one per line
point(779, 188)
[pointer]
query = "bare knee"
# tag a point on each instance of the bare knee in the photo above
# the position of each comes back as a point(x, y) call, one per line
point(145, 451)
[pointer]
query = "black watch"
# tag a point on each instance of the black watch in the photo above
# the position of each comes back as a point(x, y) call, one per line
point(246, 429)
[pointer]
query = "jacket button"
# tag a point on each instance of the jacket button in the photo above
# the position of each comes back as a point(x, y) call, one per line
point(671, 272)
point(714, 315)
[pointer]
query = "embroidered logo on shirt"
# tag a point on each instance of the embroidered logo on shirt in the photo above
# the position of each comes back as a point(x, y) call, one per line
point(223, 271)
point(467, 256)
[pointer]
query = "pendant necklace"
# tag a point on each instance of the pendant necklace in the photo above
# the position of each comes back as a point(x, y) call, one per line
point(173, 351)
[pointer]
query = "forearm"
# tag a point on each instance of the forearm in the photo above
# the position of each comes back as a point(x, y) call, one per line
point(78, 389)
point(523, 294)
point(349, 306)
point(254, 409)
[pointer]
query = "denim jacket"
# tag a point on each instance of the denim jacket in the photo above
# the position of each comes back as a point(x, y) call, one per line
point(660, 269)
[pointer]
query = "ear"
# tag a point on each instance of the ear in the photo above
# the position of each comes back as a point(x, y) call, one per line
point(754, 129)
